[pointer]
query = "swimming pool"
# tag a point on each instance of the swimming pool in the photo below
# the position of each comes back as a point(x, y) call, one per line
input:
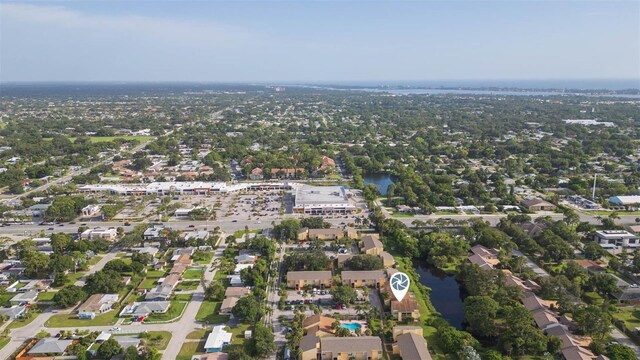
point(351, 326)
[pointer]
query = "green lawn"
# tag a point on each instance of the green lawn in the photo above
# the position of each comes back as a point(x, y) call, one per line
point(174, 311)
point(18, 323)
point(71, 320)
point(4, 299)
point(158, 339)
point(193, 274)
point(204, 257)
point(147, 284)
point(188, 285)
point(73, 277)
point(46, 296)
point(209, 312)
point(4, 341)
point(155, 273)
point(189, 349)
point(182, 297)
point(629, 315)
point(238, 233)
point(99, 139)
point(198, 334)
point(94, 260)
point(238, 333)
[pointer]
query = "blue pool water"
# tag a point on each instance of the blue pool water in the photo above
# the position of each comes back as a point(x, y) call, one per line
point(351, 326)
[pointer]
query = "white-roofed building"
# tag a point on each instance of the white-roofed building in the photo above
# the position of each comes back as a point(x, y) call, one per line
point(217, 339)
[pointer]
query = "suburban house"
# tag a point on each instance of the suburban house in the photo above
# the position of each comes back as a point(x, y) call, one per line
point(405, 309)
point(235, 280)
point(183, 259)
point(533, 229)
point(97, 304)
point(98, 233)
point(590, 265)
point(238, 292)
point(28, 297)
point(156, 232)
point(536, 204)
point(217, 339)
point(628, 296)
point(245, 259)
point(373, 278)
point(484, 257)
point(410, 344)
point(299, 279)
point(144, 308)
point(371, 245)
point(48, 347)
point(621, 238)
point(347, 348)
point(256, 174)
point(14, 312)
point(327, 164)
point(228, 304)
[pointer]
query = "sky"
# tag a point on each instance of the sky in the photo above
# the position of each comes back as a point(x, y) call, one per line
point(318, 41)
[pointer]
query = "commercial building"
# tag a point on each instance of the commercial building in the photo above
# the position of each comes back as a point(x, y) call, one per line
point(538, 205)
point(91, 210)
point(98, 233)
point(625, 200)
point(317, 200)
point(620, 238)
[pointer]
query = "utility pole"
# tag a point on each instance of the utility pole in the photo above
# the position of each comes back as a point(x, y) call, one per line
point(593, 193)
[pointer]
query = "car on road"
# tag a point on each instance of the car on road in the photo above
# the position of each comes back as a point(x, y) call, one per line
point(127, 223)
point(115, 329)
point(50, 229)
point(192, 226)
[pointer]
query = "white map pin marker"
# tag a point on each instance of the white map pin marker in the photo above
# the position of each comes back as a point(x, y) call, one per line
point(399, 285)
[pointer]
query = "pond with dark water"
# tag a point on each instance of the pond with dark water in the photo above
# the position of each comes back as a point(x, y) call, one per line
point(381, 180)
point(447, 295)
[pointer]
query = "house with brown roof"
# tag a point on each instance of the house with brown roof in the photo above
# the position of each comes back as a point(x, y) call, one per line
point(533, 229)
point(183, 259)
point(537, 204)
point(256, 174)
point(97, 304)
point(590, 266)
point(228, 304)
point(411, 346)
point(177, 269)
point(405, 309)
point(348, 348)
point(299, 279)
point(371, 278)
point(371, 245)
point(387, 259)
point(236, 291)
point(320, 234)
point(327, 164)
point(318, 325)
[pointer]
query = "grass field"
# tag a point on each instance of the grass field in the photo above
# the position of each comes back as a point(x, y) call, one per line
point(94, 260)
point(628, 315)
point(188, 285)
point(158, 339)
point(174, 311)
point(155, 274)
point(198, 334)
point(238, 333)
point(147, 284)
point(18, 323)
point(46, 296)
point(4, 341)
point(193, 274)
point(204, 257)
point(189, 349)
point(4, 299)
point(71, 320)
point(99, 139)
point(209, 312)
point(182, 297)
point(238, 234)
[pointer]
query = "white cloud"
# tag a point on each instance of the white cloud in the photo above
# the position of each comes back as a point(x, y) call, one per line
point(154, 28)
